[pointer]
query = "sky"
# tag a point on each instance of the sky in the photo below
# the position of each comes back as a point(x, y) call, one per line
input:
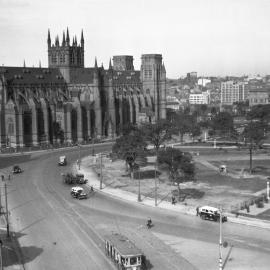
point(212, 37)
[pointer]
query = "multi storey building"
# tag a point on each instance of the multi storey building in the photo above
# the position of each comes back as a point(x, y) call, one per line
point(232, 91)
point(199, 98)
point(36, 104)
point(258, 92)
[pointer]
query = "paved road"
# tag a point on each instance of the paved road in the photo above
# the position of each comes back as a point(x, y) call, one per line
point(58, 232)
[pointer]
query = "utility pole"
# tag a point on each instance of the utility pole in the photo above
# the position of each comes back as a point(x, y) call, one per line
point(139, 191)
point(267, 190)
point(220, 239)
point(79, 163)
point(156, 180)
point(0, 201)
point(101, 176)
point(7, 210)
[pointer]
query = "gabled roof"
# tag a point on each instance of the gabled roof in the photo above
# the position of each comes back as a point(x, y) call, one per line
point(27, 75)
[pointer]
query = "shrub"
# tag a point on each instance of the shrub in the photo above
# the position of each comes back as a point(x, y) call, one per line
point(260, 204)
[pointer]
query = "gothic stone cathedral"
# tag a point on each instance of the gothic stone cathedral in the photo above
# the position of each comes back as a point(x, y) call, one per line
point(38, 104)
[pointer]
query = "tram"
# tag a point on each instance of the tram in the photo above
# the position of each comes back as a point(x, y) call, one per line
point(123, 252)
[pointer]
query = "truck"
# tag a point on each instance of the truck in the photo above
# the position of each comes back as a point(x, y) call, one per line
point(71, 179)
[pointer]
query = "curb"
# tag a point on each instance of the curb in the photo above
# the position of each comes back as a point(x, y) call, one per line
point(131, 197)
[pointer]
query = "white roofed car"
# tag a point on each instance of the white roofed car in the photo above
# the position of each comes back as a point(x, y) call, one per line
point(76, 189)
point(211, 213)
point(62, 161)
point(78, 192)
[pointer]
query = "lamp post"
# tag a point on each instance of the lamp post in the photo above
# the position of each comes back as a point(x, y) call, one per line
point(267, 190)
point(79, 160)
point(139, 191)
point(101, 176)
point(7, 210)
point(156, 179)
point(220, 239)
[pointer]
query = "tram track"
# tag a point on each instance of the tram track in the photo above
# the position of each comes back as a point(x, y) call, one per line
point(66, 212)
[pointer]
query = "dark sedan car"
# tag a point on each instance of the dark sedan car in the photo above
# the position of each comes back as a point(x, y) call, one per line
point(17, 169)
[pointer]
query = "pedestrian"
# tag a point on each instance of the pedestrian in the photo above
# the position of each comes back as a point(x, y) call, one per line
point(173, 200)
point(197, 210)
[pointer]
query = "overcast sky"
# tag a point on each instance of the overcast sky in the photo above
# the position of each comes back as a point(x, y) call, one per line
point(212, 37)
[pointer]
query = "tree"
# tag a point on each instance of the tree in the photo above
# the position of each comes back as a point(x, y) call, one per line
point(222, 123)
point(179, 164)
point(129, 147)
point(183, 124)
point(157, 133)
point(253, 134)
point(195, 131)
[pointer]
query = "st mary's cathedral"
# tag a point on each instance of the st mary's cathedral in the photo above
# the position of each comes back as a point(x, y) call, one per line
point(37, 104)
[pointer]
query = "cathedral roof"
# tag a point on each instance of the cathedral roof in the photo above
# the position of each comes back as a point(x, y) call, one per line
point(31, 75)
point(123, 76)
point(82, 75)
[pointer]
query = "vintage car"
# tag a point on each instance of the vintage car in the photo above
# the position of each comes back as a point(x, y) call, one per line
point(17, 169)
point(210, 213)
point(62, 161)
point(78, 193)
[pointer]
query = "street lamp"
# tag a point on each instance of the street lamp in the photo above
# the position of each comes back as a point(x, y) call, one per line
point(101, 176)
point(156, 178)
point(79, 160)
point(220, 241)
point(139, 191)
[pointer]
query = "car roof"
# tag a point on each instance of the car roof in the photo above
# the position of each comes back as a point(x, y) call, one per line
point(209, 208)
point(76, 188)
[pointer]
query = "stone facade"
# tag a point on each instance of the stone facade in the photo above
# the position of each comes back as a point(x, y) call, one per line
point(71, 103)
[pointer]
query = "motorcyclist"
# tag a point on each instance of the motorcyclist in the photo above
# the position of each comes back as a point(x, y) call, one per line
point(149, 222)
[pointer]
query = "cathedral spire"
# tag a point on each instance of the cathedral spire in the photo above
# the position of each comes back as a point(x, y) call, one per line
point(39, 64)
point(96, 66)
point(75, 40)
point(82, 39)
point(49, 38)
point(110, 64)
point(67, 39)
point(64, 39)
point(57, 41)
point(24, 63)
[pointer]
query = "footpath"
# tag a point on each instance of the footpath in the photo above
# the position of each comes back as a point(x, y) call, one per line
point(93, 180)
point(10, 253)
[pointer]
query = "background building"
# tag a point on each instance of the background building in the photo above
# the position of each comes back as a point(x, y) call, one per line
point(200, 98)
point(232, 91)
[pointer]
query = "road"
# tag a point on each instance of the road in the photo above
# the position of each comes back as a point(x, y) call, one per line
point(56, 231)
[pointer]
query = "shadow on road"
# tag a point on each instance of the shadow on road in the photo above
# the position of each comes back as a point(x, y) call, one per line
point(12, 253)
point(227, 257)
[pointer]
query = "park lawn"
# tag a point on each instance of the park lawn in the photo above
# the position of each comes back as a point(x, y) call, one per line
point(261, 167)
point(215, 179)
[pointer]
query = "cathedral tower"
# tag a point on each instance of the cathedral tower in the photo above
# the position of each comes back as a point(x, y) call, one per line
point(153, 77)
point(65, 55)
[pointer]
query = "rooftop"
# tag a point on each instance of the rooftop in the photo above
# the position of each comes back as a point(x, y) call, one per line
point(123, 245)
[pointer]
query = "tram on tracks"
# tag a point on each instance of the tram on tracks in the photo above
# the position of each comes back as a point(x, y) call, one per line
point(123, 252)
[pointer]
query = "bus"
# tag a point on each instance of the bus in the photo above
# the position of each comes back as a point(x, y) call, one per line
point(123, 252)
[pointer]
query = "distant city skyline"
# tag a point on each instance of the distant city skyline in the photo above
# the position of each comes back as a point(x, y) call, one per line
point(213, 38)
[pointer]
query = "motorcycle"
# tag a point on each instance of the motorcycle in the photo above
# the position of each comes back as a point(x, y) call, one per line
point(149, 224)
